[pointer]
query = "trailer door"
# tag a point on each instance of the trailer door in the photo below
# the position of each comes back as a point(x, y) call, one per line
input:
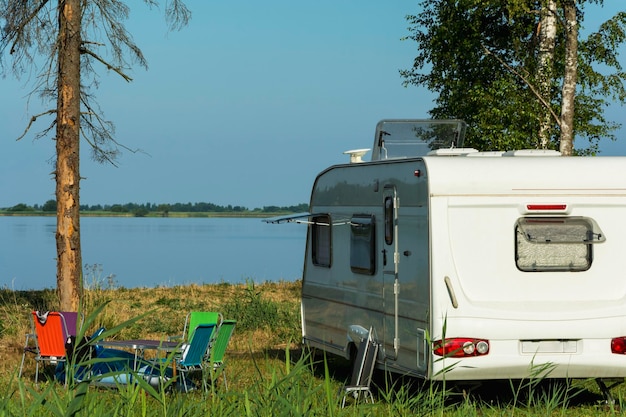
point(390, 259)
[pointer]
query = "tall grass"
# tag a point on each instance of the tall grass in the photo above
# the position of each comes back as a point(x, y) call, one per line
point(269, 373)
point(255, 312)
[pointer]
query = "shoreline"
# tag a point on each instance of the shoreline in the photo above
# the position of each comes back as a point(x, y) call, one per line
point(232, 214)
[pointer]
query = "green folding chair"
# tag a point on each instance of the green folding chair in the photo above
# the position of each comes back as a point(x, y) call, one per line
point(217, 350)
point(196, 318)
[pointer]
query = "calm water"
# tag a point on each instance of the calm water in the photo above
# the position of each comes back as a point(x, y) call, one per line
point(149, 252)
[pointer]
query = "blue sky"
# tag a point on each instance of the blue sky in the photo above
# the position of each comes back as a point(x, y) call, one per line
point(245, 106)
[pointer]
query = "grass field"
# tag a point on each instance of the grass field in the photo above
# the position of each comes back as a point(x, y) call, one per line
point(269, 374)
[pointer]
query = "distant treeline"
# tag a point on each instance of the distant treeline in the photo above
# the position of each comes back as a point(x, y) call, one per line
point(146, 208)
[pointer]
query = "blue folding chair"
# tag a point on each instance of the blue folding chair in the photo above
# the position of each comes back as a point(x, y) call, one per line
point(192, 357)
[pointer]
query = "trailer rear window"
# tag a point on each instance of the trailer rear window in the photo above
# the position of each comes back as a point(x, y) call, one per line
point(320, 247)
point(363, 244)
point(555, 243)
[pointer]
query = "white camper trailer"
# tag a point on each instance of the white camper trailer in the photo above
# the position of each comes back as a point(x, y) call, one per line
point(468, 265)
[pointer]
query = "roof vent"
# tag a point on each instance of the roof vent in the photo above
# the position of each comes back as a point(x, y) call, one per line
point(452, 152)
point(356, 155)
point(532, 152)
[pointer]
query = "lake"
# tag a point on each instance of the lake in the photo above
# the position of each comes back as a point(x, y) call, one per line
point(149, 252)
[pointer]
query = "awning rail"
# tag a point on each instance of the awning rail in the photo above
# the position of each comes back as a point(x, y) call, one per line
point(305, 218)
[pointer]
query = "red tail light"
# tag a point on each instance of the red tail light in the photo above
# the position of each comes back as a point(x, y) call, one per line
point(618, 345)
point(461, 347)
point(546, 207)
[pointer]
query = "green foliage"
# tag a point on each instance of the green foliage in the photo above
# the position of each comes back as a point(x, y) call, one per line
point(291, 388)
point(20, 207)
point(118, 208)
point(253, 311)
point(142, 210)
point(50, 205)
point(480, 57)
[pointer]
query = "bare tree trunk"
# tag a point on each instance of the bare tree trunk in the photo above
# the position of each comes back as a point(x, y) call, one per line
point(545, 70)
point(69, 259)
point(569, 79)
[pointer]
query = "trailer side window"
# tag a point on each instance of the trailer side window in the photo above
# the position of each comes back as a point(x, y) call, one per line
point(555, 243)
point(363, 244)
point(320, 240)
point(389, 218)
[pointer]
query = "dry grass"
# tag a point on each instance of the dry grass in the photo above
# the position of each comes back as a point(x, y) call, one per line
point(166, 308)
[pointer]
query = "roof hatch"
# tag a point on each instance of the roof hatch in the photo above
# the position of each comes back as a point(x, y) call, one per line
point(404, 138)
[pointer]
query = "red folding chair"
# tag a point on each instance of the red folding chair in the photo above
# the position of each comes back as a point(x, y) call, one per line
point(47, 340)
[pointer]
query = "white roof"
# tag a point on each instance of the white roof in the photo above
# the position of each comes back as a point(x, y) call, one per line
point(554, 175)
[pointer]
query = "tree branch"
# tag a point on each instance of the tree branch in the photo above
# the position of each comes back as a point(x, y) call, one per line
point(33, 120)
point(106, 64)
point(18, 30)
point(557, 119)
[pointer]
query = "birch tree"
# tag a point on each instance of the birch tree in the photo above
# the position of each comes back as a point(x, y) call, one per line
point(63, 42)
point(545, 67)
point(569, 77)
point(495, 64)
